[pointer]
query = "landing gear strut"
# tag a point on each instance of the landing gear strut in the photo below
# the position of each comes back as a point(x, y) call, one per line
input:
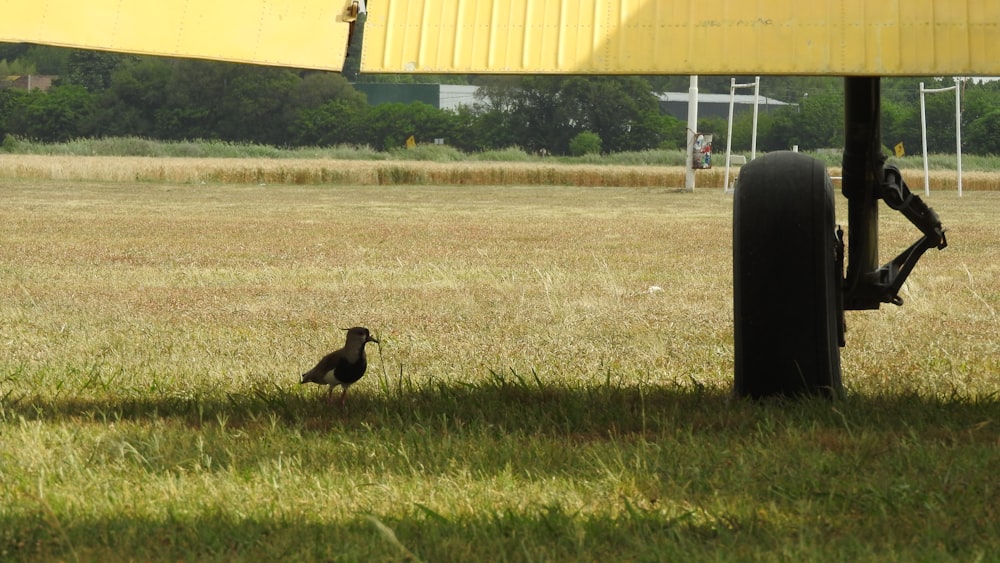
point(790, 291)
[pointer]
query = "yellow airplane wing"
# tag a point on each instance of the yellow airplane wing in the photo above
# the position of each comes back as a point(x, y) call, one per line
point(839, 37)
point(294, 33)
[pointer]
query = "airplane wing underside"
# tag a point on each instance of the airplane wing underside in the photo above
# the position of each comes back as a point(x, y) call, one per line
point(836, 37)
point(295, 33)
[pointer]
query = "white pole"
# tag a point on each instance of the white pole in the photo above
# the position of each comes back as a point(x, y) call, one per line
point(958, 134)
point(729, 134)
point(756, 100)
point(692, 129)
point(958, 131)
point(923, 138)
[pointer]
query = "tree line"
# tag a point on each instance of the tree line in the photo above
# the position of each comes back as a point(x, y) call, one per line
point(105, 94)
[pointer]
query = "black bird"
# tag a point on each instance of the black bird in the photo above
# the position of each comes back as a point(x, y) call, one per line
point(343, 367)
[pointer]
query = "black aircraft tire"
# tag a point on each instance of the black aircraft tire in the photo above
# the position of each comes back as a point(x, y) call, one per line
point(786, 279)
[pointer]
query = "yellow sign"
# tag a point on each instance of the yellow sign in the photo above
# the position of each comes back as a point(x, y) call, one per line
point(411, 142)
point(900, 152)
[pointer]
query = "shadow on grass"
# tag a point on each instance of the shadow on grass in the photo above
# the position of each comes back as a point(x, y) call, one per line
point(516, 405)
point(548, 532)
point(667, 451)
point(536, 533)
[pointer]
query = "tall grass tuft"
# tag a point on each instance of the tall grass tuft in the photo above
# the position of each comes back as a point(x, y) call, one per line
point(659, 157)
point(427, 152)
point(340, 172)
point(134, 146)
point(509, 154)
point(144, 160)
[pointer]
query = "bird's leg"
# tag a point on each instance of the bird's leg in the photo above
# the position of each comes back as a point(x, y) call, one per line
point(343, 396)
point(329, 395)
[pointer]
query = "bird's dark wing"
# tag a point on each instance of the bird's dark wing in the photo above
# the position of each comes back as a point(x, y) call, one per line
point(330, 362)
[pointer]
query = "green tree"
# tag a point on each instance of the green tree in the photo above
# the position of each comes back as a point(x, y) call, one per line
point(901, 124)
point(93, 69)
point(489, 130)
point(795, 89)
point(138, 91)
point(743, 131)
point(982, 136)
point(979, 121)
point(336, 122)
point(193, 101)
point(469, 130)
point(63, 113)
point(497, 93)
point(317, 88)
point(537, 117)
point(819, 122)
point(387, 126)
point(254, 104)
point(541, 112)
point(47, 59)
point(17, 67)
point(323, 109)
point(227, 101)
point(622, 111)
point(11, 101)
point(585, 142)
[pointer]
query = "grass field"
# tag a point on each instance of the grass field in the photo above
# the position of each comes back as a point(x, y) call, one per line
point(369, 172)
point(552, 383)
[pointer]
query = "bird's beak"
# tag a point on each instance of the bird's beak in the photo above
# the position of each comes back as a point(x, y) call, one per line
point(372, 339)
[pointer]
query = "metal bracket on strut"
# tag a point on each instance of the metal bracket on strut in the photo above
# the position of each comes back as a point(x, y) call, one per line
point(898, 196)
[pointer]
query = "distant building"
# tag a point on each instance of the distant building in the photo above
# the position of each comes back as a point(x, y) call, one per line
point(441, 96)
point(453, 96)
point(28, 82)
point(714, 105)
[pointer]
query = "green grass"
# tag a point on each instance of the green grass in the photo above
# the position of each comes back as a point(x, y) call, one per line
point(535, 396)
point(136, 146)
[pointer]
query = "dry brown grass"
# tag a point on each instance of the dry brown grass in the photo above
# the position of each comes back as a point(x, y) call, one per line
point(459, 280)
point(320, 171)
point(366, 173)
point(456, 280)
point(354, 172)
point(947, 333)
point(946, 180)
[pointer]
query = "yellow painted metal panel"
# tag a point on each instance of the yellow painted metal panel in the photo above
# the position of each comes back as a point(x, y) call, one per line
point(295, 33)
point(840, 37)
